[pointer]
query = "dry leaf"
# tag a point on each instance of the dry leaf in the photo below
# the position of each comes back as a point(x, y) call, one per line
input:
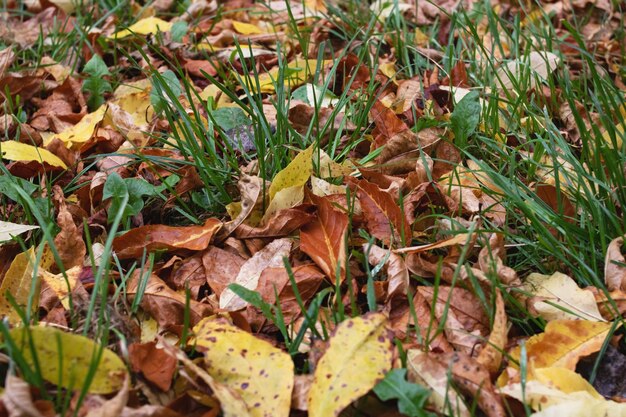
point(614, 266)
point(358, 356)
point(262, 375)
point(9, 230)
point(19, 281)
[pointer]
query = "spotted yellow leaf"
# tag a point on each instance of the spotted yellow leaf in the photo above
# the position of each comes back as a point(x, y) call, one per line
point(262, 375)
point(147, 26)
point(358, 356)
point(19, 283)
point(297, 173)
point(67, 360)
point(17, 151)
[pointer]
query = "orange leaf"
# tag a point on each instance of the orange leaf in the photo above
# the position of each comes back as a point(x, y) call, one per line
point(159, 237)
point(384, 218)
point(324, 239)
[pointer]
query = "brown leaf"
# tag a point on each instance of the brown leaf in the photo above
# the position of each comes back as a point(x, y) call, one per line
point(474, 380)
point(614, 266)
point(490, 356)
point(282, 223)
point(156, 365)
point(65, 107)
point(69, 241)
point(165, 305)
point(17, 398)
point(221, 268)
point(276, 281)
point(397, 273)
point(324, 239)
point(133, 243)
point(250, 188)
point(113, 407)
point(491, 259)
point(384, 218)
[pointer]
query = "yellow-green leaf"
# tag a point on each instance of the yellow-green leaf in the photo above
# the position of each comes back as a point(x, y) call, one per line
point(262, 375)
point(296, 173)
point(81, 131)
point(66, 359)
point(358, 356)
point(19, 281)
point(147, 26)
point(286, 198)
point(17, 151)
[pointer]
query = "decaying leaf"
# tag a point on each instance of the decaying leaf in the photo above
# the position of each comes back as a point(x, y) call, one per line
point(558, 297)
point(262, 375)
point(490, 356)
point(135, 242)
point(270, 256)
point(324, 239)
point(614, 269)
point(358, 356)
point(67, 359)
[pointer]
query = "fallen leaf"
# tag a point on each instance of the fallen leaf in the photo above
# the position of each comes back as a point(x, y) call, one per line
point(67, 359)
point(9, 230)
point(358, 356)
point(297, 173)
point(615, 266)
point(20, 282)
point(284, 199)
point(220, 268)
point(147, 26)
point(76, 135)
point(145, 239)
point(395, 269)
point(270, 256)
point(69, 241)
point(558, 297)
point(540, 63)
point(490, 357)
point(17, 398)
point(324, 239)
point(17, 151)
point(262, 375)
point(154, 363)
point(424, 369)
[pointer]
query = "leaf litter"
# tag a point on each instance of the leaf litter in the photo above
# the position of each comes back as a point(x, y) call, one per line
point(205, 213)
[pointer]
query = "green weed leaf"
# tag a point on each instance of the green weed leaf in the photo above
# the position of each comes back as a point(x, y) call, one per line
point(465, 117)
point(411, 397)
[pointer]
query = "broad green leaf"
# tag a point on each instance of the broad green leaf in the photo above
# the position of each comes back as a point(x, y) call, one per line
point(8, 185)
point(465, 117)
point(95, 84)
point(358, 356)
point(296, 173)
point(18, 282)
point(96, 67)
point(66, 359)
point(230, 117)
point(147, 26)
point(262, 375)
point(9, 230)
point(164, 86)
point(411, 397)
point(179, 30)
point(17, 151)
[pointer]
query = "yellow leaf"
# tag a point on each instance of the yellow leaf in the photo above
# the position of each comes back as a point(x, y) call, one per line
point(19, 281)
point(81, 131)
point(297, 173)
point(262, 375)
point(358, 356)
point(558, 297)
point(296, 73)
point(562, 344)
point(138, 105)
point(17, 151)
point(61, 286)
point(284, 199)
point(565, 380)
point(66, 359)
point(147, 26)
point(246, 28)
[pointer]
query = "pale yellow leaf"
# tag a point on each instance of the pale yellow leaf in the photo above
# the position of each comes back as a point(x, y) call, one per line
point(262, 375)
point(286, 198)
point(62, 285)
point(432, 374)
point(147, 26)
point(246, 28)
point(66, 359)
point(321, 188)
point(358, 356)
point(9, 230)
point(270, 256)
point(558, 297)
point(17, 151)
